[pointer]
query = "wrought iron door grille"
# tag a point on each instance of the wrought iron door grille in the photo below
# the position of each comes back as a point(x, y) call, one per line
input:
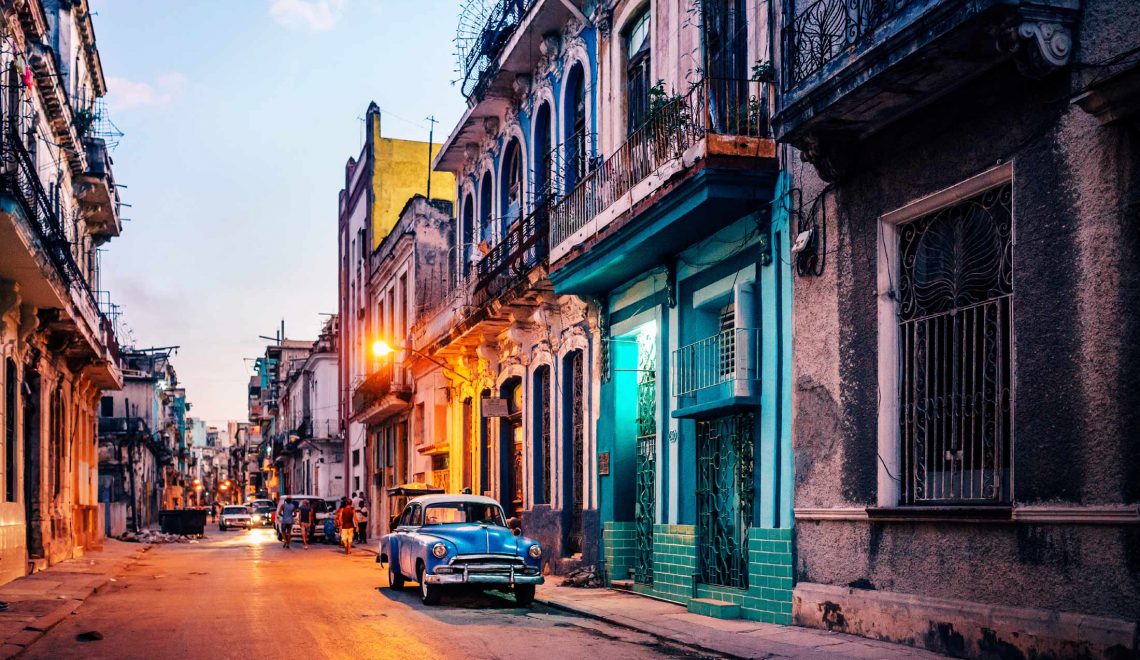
point(646, 468)
point(577, 430)
point(955, 342)
point(544, 392)
point(724, 498)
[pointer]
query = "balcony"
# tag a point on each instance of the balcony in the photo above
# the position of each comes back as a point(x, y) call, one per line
point(35, 253)
point(507, 264)
point(851, 68)
point(699, 163)
point(98, 195)
point(717, 374)
point(383, 393)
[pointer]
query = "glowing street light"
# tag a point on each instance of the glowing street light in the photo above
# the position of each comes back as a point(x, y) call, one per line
point(381, 348)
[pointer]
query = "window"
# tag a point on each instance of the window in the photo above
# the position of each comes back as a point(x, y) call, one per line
point(544, 153)
point(727, 353)
point(355, 457)
point(511, 208)
point(107, 407)
point(576, 144)
point(637, 72)
point(954, 326)
point(485, 207)
point(468, 237)
point(417, 516)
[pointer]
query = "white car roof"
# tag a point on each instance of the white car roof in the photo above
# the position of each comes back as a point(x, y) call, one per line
point(426, 500)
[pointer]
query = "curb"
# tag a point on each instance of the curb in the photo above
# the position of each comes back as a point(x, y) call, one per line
point(647, 630)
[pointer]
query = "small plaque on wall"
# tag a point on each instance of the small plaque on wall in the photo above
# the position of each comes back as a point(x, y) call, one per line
point(604, 464)
point(494, 407)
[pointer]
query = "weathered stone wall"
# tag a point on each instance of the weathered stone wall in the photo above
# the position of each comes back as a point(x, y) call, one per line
point(1076, 335)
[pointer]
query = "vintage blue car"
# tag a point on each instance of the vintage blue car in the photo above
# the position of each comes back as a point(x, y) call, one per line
point(443, 540)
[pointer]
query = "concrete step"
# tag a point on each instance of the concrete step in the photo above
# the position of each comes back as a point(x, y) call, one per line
point(718, 609)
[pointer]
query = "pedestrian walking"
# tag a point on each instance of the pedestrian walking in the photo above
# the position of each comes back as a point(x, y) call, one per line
point(305, 514)
point(357, 498)
point(214, 512)
point(362, 523)
point(288, 512)
point(346, 518)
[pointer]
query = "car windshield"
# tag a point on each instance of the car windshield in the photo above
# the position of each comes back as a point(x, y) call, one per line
point(235, 510)
point(263, 508)
point(450, 513)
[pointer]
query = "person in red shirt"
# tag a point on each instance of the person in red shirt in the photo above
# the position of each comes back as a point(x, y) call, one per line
point(346, 519)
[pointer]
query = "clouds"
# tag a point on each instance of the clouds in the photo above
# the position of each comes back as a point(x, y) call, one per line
point(313, 15)
point(125, 94)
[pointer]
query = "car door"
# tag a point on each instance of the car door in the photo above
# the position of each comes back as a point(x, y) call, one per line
point(409, 543)
point(395, 536)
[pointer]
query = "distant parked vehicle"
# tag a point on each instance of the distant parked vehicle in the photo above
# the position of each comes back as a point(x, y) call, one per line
point(443, 540)
point(235, 516)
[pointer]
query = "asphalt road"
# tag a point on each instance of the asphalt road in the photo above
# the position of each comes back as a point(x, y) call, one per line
point(241, 595)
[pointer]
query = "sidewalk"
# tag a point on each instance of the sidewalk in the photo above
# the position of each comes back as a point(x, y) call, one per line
point(39, 601)
point(737, 638)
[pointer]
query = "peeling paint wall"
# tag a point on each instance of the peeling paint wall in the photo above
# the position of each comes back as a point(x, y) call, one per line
point(1076, 381)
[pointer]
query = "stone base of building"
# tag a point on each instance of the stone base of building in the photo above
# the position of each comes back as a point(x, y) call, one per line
point(547, 526)
point(676, 576)
point(962, 629)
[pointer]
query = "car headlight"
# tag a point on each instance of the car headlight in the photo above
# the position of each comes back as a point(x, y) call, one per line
point(439, 550)
point(535, 551)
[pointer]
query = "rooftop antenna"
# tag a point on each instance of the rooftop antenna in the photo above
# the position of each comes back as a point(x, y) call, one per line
point(431, 135)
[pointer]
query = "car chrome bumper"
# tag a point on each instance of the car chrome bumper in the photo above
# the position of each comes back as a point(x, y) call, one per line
point(483, 578)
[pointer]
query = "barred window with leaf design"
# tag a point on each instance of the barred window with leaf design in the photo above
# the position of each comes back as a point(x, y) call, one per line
point(955, 294)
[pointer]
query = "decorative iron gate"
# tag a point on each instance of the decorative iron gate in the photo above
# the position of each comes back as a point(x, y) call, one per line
point(646, 465)
point(724, 498)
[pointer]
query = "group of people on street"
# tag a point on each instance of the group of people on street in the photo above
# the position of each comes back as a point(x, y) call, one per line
point(350, 520)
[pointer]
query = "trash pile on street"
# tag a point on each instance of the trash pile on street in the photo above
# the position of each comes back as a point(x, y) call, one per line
point(584, 578)
point(153, 536)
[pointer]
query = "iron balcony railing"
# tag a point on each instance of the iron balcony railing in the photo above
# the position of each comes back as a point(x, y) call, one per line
point(713, 106)
point(729, 360)
point(826, 28)
point(524, 247)
point(387, 378)
point(484, 30)
point(19, 179)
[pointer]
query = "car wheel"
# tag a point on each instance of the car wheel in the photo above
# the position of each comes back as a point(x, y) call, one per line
point(395, 578)
point(221, 528)
point(524, 594)
point(429, 593)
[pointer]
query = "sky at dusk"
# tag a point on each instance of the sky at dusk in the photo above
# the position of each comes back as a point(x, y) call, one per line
point(239, 116)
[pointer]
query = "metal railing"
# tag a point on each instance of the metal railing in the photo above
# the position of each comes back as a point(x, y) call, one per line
point(19, 179)
point(826, 28)
point(481, 39)
point(374, 387)
point(730, 357)
point(525, 246)
point(712, 106)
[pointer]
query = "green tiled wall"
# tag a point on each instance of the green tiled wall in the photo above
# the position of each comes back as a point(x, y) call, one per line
point(768, 596)
point(618, 546)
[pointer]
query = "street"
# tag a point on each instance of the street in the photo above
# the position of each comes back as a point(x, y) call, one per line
point(240, 594)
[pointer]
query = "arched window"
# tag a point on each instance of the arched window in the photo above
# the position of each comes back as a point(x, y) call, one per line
point(544, 184)
point(511, 188)
point(637, 81)
point(576, 138)
point(467, 235)
point(485, 206)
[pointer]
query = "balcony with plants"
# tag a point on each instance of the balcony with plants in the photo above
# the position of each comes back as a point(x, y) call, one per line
point(852, 67)
point(699, 161)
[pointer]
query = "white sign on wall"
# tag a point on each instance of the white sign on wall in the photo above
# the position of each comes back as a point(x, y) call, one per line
point(493, 407)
